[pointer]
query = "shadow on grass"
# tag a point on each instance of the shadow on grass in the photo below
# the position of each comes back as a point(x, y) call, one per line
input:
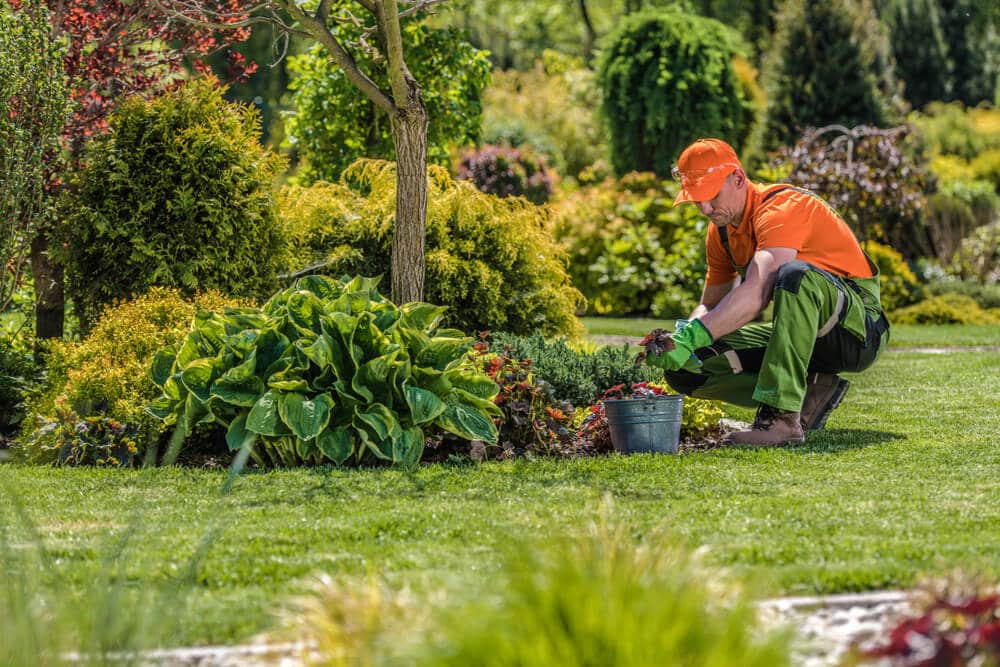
point(844, 439)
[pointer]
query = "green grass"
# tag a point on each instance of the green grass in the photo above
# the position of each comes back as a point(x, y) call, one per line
point(905, 481)
point(903, 335)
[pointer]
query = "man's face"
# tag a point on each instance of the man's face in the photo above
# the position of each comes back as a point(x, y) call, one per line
point(727, 206)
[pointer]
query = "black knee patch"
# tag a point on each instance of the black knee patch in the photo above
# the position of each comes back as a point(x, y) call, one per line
point(790, 275)
point(684, 382)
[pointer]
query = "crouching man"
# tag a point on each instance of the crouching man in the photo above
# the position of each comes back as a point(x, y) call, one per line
point(780, 243)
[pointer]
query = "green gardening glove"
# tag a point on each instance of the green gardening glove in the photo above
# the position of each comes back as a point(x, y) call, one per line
point(691, 337)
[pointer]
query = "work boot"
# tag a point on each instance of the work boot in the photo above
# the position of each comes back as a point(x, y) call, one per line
point(770, 428)
point(824, 392)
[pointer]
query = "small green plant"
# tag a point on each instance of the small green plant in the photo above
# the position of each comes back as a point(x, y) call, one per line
point(576, 377)
point(606, 598)
point(326, 370)
point(69, 439)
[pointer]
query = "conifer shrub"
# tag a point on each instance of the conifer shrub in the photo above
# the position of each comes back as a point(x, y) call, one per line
point(807, 87)
point(919, 49)
point(507, 172)
point(492, 261)
point(105, 378)
point(631, 250)
point(666, 78)
point(578, 377)
point(177, 194)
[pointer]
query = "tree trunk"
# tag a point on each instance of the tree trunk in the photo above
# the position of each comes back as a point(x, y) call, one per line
point(409, 134)
point(49, 300)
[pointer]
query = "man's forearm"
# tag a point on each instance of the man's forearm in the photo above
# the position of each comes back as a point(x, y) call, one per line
point(737, 308)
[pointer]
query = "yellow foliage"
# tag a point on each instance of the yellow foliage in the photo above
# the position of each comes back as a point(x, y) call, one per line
point(108, 373)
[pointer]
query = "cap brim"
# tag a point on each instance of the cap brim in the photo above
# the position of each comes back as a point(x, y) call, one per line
point(705, 189)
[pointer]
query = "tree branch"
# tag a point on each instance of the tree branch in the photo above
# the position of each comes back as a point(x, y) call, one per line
point(321, 33)
point(388, 21)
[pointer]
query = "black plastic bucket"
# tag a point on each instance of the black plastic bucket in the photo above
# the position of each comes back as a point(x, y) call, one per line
point(639, 425)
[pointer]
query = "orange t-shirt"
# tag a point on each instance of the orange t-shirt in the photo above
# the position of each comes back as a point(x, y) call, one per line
point(791, 218)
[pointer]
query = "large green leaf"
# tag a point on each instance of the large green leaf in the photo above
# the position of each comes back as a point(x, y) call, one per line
point(381, 421)
point(374, 376)
point(174, 388)
point(264, 418)
point(474, 382)
point(240, 319)
point(242, 393)
point(322, 352)
point(442, 351)
point(237, 435)
point(243, 342)
point(271, 346)
point(212, 329)
point(305, 448)
point(408, 446)
point(306, 417)
point(466, 421)
point(289, 380)
point(485, 405)
point(424, 405)
point(336, 444)
point(304, 310)
point(422, 316)
point(322, 287)
point(163, 364)
point(161, 407)
point(432, 380)
point(197, 377)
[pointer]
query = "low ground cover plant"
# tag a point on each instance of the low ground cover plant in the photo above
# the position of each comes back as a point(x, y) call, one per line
point(326, 370)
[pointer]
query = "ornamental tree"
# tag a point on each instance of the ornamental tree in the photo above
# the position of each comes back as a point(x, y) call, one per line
point(386, 80)
point(33, 106)
point(115, 49)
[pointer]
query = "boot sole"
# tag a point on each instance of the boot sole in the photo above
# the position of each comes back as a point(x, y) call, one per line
point(822, 415)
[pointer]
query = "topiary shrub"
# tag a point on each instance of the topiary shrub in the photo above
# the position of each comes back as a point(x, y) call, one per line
point(177, 194)
point(578, 377)
point(667, 78)
point(899, 286)
point(946, 309)
point(106, 375)
point(492, 261)
point(507, 172)
point(808, 88)
point(631, 250)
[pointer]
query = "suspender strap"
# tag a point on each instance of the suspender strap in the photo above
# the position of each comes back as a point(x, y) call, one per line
point(724, 230)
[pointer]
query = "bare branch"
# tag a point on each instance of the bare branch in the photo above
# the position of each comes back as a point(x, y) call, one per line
point(419, 6)
point(368, 4)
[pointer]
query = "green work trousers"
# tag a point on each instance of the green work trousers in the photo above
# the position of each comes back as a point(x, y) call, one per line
point(821, 323)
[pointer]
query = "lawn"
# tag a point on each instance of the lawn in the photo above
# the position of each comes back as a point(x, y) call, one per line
point(905, 481)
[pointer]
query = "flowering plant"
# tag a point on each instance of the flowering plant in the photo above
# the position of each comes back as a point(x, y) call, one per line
point(94, 440)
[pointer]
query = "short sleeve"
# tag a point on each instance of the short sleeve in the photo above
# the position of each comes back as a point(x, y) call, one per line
point(782, 226)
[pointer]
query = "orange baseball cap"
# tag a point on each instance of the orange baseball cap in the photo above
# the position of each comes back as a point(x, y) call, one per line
point(702, 169)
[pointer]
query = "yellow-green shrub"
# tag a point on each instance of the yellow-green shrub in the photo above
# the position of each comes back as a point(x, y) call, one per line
point(492, 261)
point(947, 309)
point(898, 283)
point(108, 373)
point(631, 250)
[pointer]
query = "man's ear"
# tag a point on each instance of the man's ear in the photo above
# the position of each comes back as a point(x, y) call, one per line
point(739, 178)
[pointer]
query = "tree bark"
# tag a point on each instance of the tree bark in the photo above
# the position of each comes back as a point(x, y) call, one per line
point(409, 134)
point(590, 36)
point(49, 299)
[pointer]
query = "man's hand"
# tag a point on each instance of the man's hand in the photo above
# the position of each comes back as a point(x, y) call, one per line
point(682, 344)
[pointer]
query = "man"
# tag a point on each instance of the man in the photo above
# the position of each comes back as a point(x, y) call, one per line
point(780, 243)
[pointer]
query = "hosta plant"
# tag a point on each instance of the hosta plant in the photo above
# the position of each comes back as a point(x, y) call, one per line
point(326, 370)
